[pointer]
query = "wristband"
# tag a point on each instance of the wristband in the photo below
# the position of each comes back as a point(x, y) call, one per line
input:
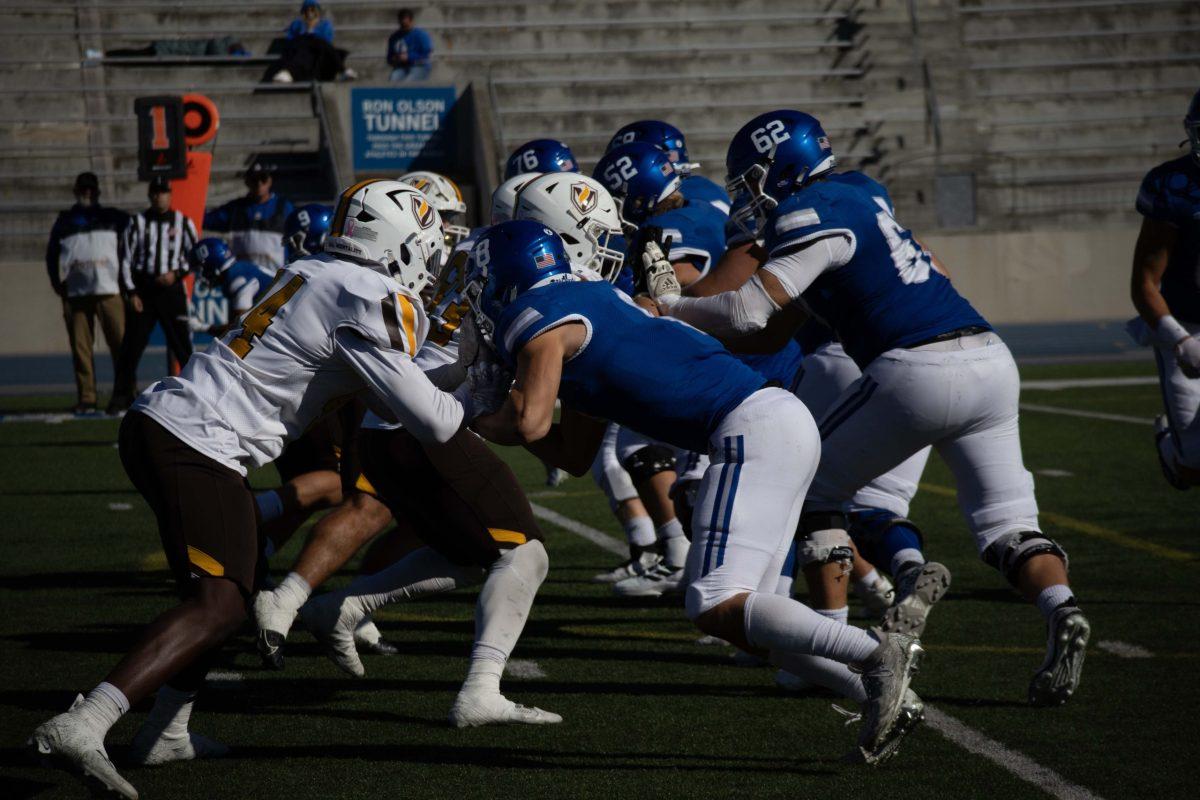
point(1169, 331)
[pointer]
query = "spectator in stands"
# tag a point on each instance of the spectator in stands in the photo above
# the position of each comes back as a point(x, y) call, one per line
point(83, 259)
point(308, 52)
point(409, 50)
point(157, 244)
point(255, 221)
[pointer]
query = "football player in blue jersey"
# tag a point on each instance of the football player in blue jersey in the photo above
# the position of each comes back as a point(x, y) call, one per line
point(583, 343)
point(305, 231)
point(1166, 293)
point(652, 205)
point(934, 371)
point(670, 140)
point(541, 155)
point(241, 282)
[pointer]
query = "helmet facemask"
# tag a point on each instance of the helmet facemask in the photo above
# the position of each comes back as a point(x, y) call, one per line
point(751, 215)
point(591, 238)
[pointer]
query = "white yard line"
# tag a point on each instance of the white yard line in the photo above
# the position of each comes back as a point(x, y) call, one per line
point(1018, 764)
point(971, 740)
point(524, 669)
point(1052, 385)
point(1124, 649)
point(1072, 412)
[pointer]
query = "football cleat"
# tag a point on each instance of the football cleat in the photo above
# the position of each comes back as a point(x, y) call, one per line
point(886, 674)
point(331, 619)
point(876, 599)
point(662, 578)
point(151, 747)
point(273, 624)
point(917, 589)
point(68, 742)
point(630, 569)
point(473, 709)
point(368, 639)
point(1058, 677)
point(1164, 445)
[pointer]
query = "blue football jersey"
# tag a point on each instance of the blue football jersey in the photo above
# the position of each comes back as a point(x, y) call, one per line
point(1171, 193)
point(699, 189)
point(697, 232)
point(888, 295)
point(655, 375)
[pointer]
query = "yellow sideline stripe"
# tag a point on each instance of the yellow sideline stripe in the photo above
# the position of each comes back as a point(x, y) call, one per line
point(1092, 530)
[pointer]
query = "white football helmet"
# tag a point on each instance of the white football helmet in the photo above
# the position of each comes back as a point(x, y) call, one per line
point(582, 212)
point(446, 198)
point(391, 227)
point(504, 199)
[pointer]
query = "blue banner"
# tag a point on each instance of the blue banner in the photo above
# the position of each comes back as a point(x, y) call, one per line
point(401, 129)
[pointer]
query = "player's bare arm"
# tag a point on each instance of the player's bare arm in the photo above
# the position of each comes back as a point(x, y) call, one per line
point(1150, 255)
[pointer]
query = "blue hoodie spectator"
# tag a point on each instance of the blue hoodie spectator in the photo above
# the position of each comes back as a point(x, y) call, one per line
point(409, 50)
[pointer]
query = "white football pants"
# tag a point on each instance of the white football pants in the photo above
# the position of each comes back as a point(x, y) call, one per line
point(960, 396)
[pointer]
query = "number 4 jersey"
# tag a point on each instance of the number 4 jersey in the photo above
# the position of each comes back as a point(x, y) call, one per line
point(883, 291)
point(325, 330)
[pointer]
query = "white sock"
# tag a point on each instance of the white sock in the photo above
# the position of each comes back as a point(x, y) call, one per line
point(675, 544)
point(292, 592)
point(908, 555)
point(500, 614)
point(171, 712)
point(1052, 597)
point(833, 675)
point(868, 580)
point(775, 623)
point(270, 505)
point(839, 615)
point(421, 572)
point(640, 532)
point(102, 707)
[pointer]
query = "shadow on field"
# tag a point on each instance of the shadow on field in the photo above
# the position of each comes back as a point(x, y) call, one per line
point(68, 492)
point(128, 580)
point(25, 445)
point(538, 758)
point(973, 702)
point(16, 788)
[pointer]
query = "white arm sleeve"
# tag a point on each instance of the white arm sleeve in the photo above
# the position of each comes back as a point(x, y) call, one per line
point(424, 410)
point(748, 308)
point(744, 310)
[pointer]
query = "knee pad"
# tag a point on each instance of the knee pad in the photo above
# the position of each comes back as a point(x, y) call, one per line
point(529, 560)
point(1013, 549)
point(822, 539)
point(650, 460)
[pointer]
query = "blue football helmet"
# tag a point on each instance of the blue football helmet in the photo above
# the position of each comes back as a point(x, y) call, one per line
point(640, 176)
point(1191, 124)
point(541, 155)
point(770, 158)
point(509, 259)
point(211, 257)
point(660, 134)
point(306, 229)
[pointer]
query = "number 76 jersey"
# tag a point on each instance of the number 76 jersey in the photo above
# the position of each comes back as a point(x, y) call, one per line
point(887, 294)
point(266, 381)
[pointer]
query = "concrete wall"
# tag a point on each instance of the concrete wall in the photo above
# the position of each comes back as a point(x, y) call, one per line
point(1041, 276)
point(1028, 277)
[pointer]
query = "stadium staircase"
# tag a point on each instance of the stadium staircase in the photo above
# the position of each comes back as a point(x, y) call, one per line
point(1032, 110)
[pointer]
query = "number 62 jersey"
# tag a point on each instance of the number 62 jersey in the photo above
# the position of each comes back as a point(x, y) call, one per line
point(324, 331)
point(882, 291)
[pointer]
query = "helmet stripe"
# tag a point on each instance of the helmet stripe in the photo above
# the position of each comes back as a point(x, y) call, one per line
point(339, 217)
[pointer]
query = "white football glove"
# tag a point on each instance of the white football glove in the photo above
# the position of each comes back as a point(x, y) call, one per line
point(1187, 353)
point(660, 275)
point(489, 382)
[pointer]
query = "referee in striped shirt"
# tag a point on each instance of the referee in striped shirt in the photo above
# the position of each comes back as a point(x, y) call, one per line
point(158, 241)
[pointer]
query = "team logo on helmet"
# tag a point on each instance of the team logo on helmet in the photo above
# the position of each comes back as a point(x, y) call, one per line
point(420, 184)
point(423, 211)
point(583, 197)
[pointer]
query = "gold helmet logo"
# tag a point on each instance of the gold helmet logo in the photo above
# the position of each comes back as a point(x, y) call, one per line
point(583, 197)
point(423, 211)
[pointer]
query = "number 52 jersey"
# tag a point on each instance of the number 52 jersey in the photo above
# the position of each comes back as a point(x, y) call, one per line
point(325, 330)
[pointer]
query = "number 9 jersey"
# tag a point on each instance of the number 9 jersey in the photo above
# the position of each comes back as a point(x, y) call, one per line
point(324, 330)
point(884, 293)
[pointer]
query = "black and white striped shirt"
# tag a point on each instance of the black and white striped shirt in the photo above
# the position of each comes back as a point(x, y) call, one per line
point(156, 244)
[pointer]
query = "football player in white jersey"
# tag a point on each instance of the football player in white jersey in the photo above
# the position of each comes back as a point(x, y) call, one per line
point(330, 328)
point(446, 197)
